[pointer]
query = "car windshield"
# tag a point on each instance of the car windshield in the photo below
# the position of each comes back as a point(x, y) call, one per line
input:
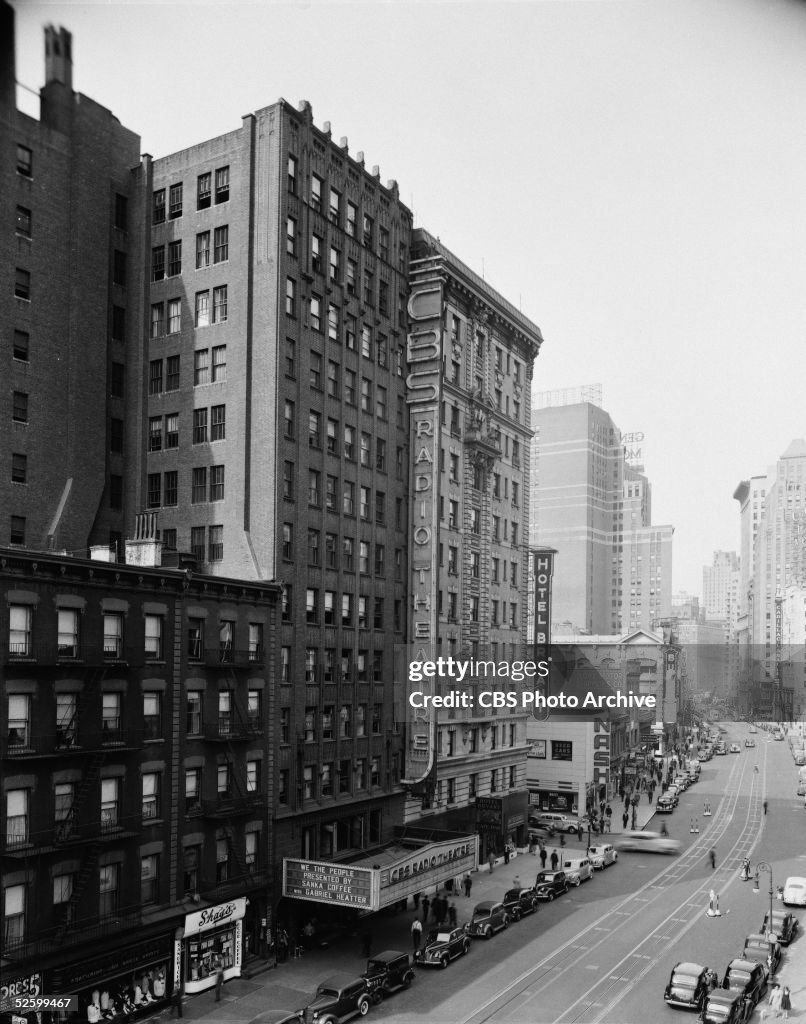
point(738, 979)
point(443, 937)
point(325, 990)
point(484, 912)
point(548, 878)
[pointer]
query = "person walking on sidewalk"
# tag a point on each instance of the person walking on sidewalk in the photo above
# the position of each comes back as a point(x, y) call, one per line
point(425, 903)
point(554, 860)
point(452, 916)
point(468, 881)
point(491, 861)
point(543, 856)
point(416, 935)
point(218, 968)
point(786, 1002)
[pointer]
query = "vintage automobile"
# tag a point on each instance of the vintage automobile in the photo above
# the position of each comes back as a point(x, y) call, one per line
point(763, 951)
point(723, 1007)
point(649, 842)
point(602, 855)
point(277, 1017)
point(734, 748)
point(795, 891)
point(550, 884)
point(559, 822)
point(784, 924)
point(488, 918)
point(339, 998)
point(388, 972)
point(519, 902)
point(443, 946)
point(665, 804)
point(746, 977)
point(689, 985)
point(749, 743)
point(577, 870)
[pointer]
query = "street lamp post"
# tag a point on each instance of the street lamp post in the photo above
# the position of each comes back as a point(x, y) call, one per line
point(764, 866)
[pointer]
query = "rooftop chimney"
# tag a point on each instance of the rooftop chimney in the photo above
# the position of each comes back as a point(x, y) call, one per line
point(58, 56)
point(144, 549)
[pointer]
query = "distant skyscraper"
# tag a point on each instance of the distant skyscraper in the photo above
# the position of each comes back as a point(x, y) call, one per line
point(613, 567)
point(717, 584)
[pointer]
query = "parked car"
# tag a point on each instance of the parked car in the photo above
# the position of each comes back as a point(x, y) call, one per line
point(795, 891)
point(665, 804)
point(550, 884)
point(443, 946)
point(784, 924)
point(763, 951)
point(578, 870)
point(690, 985)
point(519, 902)
point(388, 972)
point(488, 918)
point(800, 758)
point(746, 977)
point(682, 782)
point(723, 1007)
point(602, 855)
point(559, 822)
point(749, 743)
point(338, 999)
point(802, 788)
point(648, 842)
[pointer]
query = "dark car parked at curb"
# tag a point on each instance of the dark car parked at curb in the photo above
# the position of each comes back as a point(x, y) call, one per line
point(339, 998)
point(488, 918)
point(724, 1007)
point(690, 985)
point(763, 951)
point(388, 972)
point(784, 924)
point(550, 884)
point(519, 902)
point(443, 946)
point(746, 977)
point(664, 804)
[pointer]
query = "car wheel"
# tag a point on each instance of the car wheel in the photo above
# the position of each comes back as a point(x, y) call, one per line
point(466, 947)
point(363, 1006)
point(488, 933)
point(408, 980)
point(577, 882)
point(506, 922)
point(550, 897)
point(444, 960)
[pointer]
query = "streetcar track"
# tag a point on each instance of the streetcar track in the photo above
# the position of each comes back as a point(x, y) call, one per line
point(546, 972)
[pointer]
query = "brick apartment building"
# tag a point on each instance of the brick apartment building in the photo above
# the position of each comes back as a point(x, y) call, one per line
point(137, 758)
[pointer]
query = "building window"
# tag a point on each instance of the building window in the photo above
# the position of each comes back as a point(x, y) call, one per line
point(192, 789)
point(175, 201)
point(290, 296)
point(331, 493)
point(158, 263)
point(202, 309)
point(316, 313)
point(197, 543)
point(201, 367)
point(25, 161)
point(109, 890)
point(253, 776)
point(22, 284)
point(151, 795)
point(222, 185)
point(220, 304)
point(312, 605)
point(19, 466)
point(314, 430)
point(19, 721)
point(149, 879)
point(215, 543)
point(110, 804)
point(174, 258)
point(316, 192)
point(13, 916)
point(62, 889)
point(292, 175)
point(158, 206)
point(67, 638)
point(24, 221)
point(203, 190)
point(288, 480)
point(216, 483)
point(21, 346)
point(218, 423)
point(255, 647)
point(348, 498)
point(153, 637)
point(202, 250)
point(174, 316)
point(153, 490)
point(193, 716)
point(152, 716)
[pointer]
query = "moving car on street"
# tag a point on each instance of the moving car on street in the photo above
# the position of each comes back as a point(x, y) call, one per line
point(648, 842)
point(443, 946)
point(488, 918)
point(689, 986)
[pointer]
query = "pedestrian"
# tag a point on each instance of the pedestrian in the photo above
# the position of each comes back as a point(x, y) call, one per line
point(554, 860)
point(416, 935)
point(452, 916)
point(436, 909)
point(426, 903)
point(608, 812)
point(786, 1002)
point(764, 805)
point(712, 858)
point(621, 792)
point(532, 846)
point(282, 945)
point(176, 1005)
point(774, 999)
point(366, 942)
point(579, 831)
point(468, 880)
point(624, 819)
point(491, 861)
point(218, 968)
point(543, 856)
point(506, 854)
point(416, 899)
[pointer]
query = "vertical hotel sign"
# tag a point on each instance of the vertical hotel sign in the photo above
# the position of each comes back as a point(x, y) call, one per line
point(423, 352)
point(543, 571)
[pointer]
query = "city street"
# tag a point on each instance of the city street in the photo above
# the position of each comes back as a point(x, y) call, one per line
point(604, 951)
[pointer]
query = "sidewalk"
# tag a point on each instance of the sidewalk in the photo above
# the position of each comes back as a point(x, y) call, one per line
point(291, 984)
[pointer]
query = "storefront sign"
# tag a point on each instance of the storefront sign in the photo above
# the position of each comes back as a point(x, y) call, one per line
point(328, 883)
point(26, 985)
point(214, 917)
point(430, 865)
point(601, 753)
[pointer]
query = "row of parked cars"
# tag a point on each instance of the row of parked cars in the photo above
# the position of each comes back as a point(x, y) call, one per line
point(732, 999)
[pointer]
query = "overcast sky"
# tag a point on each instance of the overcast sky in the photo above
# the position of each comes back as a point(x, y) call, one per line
point(631, 174)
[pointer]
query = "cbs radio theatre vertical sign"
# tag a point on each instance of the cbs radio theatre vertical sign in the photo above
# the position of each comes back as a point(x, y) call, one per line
point(423, 352)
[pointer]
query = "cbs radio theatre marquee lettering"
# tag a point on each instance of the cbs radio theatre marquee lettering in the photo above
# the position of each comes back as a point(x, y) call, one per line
point(423, 351)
